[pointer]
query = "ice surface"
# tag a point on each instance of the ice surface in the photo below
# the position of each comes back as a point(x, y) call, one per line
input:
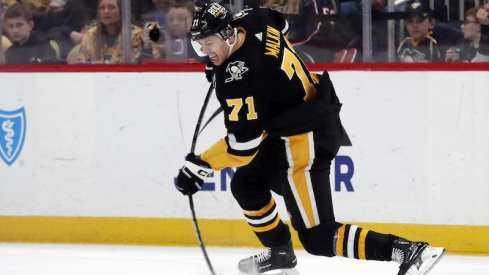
point(60, 259)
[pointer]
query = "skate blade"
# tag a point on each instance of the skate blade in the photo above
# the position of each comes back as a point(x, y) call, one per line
point(436, 254)
point(283, 271)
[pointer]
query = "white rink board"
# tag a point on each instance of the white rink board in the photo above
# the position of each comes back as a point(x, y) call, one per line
point(109, 144)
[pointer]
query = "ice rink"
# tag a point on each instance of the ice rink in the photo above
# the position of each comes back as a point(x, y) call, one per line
point(60, 259)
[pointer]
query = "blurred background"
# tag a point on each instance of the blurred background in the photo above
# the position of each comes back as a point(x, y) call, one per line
point(322, 31)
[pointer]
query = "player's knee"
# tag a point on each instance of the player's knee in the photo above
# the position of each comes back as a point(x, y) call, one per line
point(318, 240)
point(237, 184)
point(315, 249)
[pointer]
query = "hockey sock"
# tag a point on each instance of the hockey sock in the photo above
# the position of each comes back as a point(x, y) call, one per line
point(354, 242)
point(268, 226)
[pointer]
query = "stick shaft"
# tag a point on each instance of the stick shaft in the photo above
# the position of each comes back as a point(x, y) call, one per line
point(199, 237)
point(201, 117)
point(191, 202)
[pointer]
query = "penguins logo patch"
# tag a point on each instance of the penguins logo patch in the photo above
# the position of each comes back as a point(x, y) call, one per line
point(413, 56)
point(236, 69)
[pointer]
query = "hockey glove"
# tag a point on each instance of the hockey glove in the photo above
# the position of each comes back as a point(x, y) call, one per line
point(192, 175)
point(208, 70)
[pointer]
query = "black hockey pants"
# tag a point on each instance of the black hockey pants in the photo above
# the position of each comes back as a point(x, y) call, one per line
point(298, 168)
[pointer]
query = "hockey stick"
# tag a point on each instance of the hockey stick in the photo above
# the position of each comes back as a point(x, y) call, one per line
point(197, 232)
point(218, 111)
point(191, 202)
point(201, 117)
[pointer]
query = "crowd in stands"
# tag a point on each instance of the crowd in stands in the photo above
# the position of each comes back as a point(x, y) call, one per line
point(90, 31)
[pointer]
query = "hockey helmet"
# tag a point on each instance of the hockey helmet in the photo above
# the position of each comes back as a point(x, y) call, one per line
point(212, 18)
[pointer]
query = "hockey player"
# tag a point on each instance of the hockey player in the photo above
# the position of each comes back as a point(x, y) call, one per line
point(283, 131)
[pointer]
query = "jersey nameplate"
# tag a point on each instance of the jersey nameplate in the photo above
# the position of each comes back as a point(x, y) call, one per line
point(272, 45)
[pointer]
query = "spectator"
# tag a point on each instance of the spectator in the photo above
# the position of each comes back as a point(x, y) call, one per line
point(139, 8)
point(355, 6)
point(334, 34)
point(483, 17)
point(5, 43)
point(90, 7)
point(351, 10)
point(178, 23)
point(175, 43)
point(420, 46)
point(179, 19)
point(301, 30)
point(64, 21)
point(311, 37)
point(37, 6)
point(471, 29)
point(27, 46)
point(103, 43)
point(158, 13)
point(56, 6)
point(78, 21)
point(6, 4)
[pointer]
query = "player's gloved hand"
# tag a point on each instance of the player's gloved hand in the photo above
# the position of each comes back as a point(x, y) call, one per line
point(208, 70)
point(192, 175)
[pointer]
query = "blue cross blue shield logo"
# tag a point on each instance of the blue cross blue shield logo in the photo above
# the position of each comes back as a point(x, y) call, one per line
point(12, 134)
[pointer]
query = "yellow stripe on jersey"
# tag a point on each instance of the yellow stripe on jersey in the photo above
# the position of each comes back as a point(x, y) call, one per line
point(315, 77)
point(268, 227)
point(261, 225)
point(218, 157)
point(351, 242)
point(236, 47)
point(261, 211)
point(300, 155)
point(339, 241)
point(361, 244)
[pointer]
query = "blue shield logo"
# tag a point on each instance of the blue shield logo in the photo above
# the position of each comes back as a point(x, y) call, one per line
point(12, 134)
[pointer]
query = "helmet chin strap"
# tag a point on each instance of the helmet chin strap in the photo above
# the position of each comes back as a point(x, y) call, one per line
point(231, 46)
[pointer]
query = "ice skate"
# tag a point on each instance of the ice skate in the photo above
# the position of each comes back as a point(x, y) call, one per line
point(274, 258)
point(415, 258)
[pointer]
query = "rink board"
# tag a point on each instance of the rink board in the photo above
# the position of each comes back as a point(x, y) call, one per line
point(100, 150)
point(234, 233)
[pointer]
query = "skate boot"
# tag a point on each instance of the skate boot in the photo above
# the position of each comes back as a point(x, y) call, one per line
point(415, 258)
point(271, 259)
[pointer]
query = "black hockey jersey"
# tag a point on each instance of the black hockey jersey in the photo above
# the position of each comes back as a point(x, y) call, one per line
point(423, 51)
point(263, 86)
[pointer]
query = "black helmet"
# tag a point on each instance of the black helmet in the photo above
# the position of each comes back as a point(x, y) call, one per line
point(212, 18)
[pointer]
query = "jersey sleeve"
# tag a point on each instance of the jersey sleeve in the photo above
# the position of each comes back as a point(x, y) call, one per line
point(218, 158)
point(279, 20)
